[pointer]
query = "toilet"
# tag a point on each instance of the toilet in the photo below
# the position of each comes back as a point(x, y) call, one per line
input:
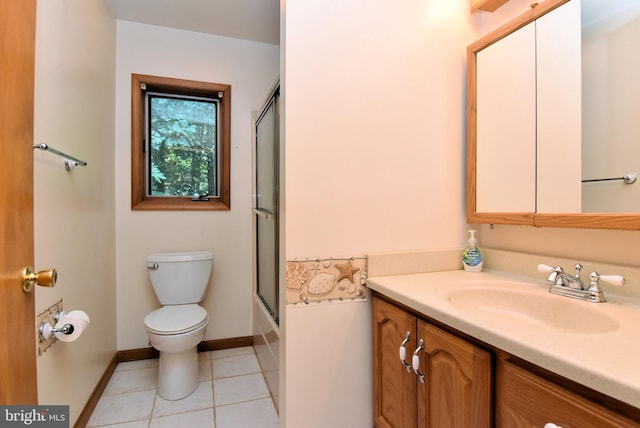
point(179, 281)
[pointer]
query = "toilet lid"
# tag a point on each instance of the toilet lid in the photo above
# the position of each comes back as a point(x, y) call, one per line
point(176, 319)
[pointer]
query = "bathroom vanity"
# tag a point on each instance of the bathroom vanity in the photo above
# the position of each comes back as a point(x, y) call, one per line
point(497, 350)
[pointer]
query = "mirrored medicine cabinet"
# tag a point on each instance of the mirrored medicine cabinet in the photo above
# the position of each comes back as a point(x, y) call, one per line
point(553, 125)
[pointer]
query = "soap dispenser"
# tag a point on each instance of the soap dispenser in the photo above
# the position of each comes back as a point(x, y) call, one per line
point(471, 256)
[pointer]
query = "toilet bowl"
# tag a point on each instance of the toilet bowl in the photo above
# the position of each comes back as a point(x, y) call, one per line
point(179, 281)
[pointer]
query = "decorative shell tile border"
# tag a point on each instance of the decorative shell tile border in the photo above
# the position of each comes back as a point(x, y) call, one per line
point(326, 279)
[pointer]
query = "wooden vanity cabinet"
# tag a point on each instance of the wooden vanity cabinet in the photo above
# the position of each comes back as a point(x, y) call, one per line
point(459, 379)
point(457, 387)
point(525, 400)
point(395, 388)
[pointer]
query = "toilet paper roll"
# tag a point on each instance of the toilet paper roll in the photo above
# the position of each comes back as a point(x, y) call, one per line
point(78, 314)
point(78, 319)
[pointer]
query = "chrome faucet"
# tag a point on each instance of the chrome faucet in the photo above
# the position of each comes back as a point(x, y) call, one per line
point(565, 280)
point(572, 285)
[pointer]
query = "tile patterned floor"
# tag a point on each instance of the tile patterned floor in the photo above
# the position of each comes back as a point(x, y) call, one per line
point(232, 394)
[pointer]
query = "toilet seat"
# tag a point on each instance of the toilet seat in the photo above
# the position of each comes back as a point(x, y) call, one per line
point(176, 319)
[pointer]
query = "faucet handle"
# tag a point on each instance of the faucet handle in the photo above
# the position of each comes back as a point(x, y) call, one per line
point(552, 271)
point(595, 294)
point(548, 269)
point(618, 280)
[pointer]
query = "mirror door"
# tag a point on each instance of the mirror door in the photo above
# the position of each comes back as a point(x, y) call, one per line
point(579, 168)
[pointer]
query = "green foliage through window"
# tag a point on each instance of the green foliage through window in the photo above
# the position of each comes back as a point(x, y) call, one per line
point(182, 158)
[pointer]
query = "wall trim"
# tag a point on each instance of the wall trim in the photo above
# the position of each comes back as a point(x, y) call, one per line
point(326, 280)
point(92, 402)
point(145, 354)
point(232, 342)
point(137, 354)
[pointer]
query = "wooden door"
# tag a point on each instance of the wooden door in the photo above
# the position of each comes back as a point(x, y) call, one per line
point(458, 384)
point(17, 337)
point(394, 388)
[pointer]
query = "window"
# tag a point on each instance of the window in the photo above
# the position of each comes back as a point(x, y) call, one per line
point(180, 142)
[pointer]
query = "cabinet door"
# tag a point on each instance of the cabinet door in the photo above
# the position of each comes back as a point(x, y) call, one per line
point(394, 388)
point(525, 400)
point(559, 111)
point(458, 382)
point(506, 124)
point(525, 116)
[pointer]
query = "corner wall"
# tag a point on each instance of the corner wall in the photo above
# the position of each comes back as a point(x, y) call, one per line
point(74, 211)
point(375, 101)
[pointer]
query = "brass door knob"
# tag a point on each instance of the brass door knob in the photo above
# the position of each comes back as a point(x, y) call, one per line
point(44, 278)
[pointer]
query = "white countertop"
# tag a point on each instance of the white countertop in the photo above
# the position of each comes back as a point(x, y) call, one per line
point(607, 361)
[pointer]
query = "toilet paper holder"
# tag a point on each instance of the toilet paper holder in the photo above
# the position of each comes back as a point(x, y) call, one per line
point(47, 330)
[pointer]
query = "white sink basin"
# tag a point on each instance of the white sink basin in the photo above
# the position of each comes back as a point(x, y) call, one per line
point(516, 302)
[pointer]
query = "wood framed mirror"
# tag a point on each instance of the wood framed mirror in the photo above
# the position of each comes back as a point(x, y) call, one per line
point(526, 148)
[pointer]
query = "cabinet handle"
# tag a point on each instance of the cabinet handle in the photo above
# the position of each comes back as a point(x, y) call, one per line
point(403, 352)
point(415, 361)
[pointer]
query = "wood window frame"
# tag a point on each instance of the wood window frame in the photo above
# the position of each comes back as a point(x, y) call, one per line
point(139, 198)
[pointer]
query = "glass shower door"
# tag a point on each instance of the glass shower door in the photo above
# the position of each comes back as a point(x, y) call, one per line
point(266, 205)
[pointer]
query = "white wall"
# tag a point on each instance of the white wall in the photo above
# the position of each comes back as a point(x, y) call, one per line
point(251, 69)
point(375, 101)
point(74, 211)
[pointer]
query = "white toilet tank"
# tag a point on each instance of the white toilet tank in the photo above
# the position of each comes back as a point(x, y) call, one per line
point(180, 278)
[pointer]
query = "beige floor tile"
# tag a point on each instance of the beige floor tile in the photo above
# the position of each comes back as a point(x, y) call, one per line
point(204, 370)
point(197, 419)
point(201, 398)
point(120, 408)
point(135, 365)
point(254, 414)
point(235, 366)
point(130, 399)
point(239, 388)
point(143, 423)
point(132, 380)
point(232, 352)
point(204, 355)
